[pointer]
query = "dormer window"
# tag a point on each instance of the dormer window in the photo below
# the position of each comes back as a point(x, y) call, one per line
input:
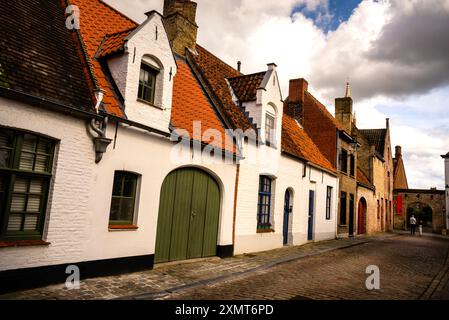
point(270, 130)
point(147, 83)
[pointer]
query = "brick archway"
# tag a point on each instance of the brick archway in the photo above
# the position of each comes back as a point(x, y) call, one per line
point(419, 199)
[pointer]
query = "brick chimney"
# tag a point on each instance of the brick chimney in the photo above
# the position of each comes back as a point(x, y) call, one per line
point(179, 17)
point(296, 97)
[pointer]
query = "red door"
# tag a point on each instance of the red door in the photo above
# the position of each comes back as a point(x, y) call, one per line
point(361, 222)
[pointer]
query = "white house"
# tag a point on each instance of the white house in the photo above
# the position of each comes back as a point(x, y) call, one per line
point(117, 154)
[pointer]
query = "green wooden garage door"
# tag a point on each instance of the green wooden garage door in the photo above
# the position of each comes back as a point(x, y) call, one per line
point(188, 216)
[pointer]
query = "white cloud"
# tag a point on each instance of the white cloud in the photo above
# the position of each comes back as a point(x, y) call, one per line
point(394, 52)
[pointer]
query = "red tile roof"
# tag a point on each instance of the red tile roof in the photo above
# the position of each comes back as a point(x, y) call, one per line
point(113, 43)
point(245, 87)
point(296, 142)
point(216, 73)
point(312, 101)
point(97, 21)
point(190, 104)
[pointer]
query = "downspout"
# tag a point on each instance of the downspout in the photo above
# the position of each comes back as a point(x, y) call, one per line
point(236, 189)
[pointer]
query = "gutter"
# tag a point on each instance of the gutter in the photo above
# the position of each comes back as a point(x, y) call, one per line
point(311, 164)
point(46, 104)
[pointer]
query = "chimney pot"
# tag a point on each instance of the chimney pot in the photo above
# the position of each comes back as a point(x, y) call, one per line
point(239, 66)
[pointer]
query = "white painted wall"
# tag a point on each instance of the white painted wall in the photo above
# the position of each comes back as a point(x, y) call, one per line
point(143, 45)
point(287, 173)
point(78, 213)
point(151, 157)
point(69, 212)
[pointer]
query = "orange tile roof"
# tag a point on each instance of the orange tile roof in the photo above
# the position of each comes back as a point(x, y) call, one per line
point(216, 73)
point(245, 87)
point(190, 104)
point(113, 43)
point(97, 19)
point(296, 142)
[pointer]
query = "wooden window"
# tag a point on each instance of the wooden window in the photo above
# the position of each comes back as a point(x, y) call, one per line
point(264, 204)
point(123, 201)
point(344, 161)
point(270, 130)
point(25, 173)
point(343, 208)
point(328, 203)
point(352, 165)
point(147, 83)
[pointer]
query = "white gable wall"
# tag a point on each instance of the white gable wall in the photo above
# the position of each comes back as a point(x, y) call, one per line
point(148, 43)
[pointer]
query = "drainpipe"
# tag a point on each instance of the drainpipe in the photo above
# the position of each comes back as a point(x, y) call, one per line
point(236, 191)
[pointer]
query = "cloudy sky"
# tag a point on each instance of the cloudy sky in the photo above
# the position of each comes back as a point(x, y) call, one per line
point(395, 53)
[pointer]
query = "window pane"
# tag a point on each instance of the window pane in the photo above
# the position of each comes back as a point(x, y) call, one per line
point(129, 186)
point(5, 156)
point(41, 163)
point(18, 203)
point(26, 161)
point(115, 209)
point(30, 222)
point(15, 222)
point(44, 146)
point(118, 181)
point(127, 210)
point(147, 95)
point(36, 186)
point(29, 143)
point(21, 185)
point(33, 204)
point(140, 94)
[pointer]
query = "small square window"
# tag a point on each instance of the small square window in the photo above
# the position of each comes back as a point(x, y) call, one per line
point(123, 200)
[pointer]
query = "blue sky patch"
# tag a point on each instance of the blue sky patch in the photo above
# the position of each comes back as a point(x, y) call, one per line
point(329, 19)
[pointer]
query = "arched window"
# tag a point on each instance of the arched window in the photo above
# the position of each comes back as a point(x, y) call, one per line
point(150, 81)
point(264, 203)
point(270, 125)
point(147, 83)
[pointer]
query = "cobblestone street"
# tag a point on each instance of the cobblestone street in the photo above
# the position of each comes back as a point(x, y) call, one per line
point(410, 268)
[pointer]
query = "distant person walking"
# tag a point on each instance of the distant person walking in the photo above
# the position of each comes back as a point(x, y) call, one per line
point(412, 225)
point(420, 228)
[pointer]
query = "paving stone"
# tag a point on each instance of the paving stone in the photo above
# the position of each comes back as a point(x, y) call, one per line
point(318, 266)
